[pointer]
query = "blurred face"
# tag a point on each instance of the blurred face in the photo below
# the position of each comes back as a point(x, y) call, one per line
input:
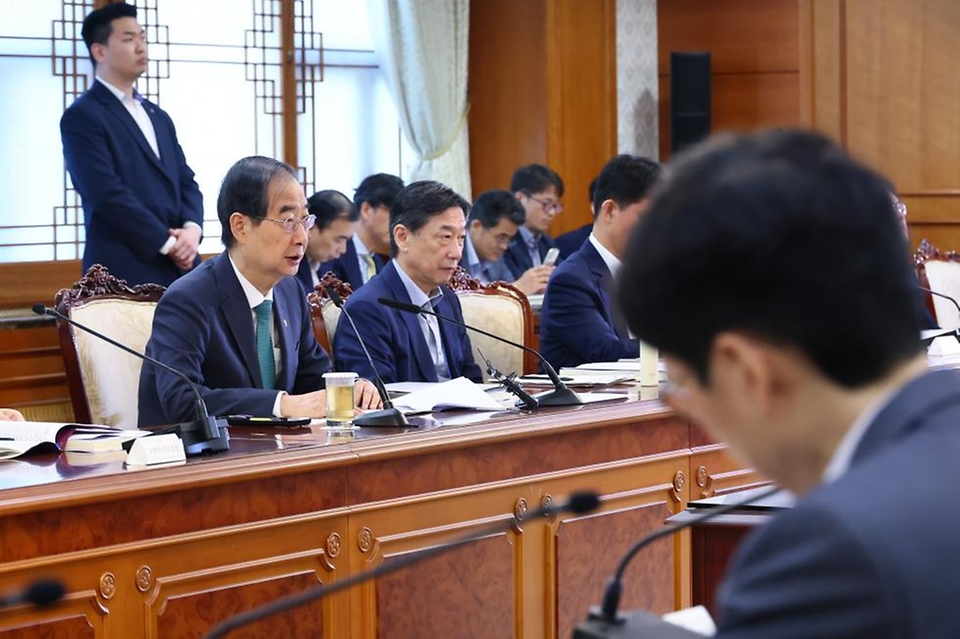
point(266, 253)
point(541, 208)
point(124, 57)
point(376, 220)
point(432, 254)
point(331, 242)
point(491, 243)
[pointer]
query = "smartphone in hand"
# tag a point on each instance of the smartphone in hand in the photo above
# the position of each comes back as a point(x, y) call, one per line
point(551, 257)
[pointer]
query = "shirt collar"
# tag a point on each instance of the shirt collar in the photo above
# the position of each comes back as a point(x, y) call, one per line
point(120, 95)
point(417, 296)
point(612, 261)
point(254, 297)
point(843, 454)
point(528, 237)
point(472, 258)
point(359, 245)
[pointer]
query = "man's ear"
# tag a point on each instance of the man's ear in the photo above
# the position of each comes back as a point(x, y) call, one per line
point(240, 226)
point(607, 209)
point(742, 364)
point(97, 51)
point(475, 226)
point(401, 235)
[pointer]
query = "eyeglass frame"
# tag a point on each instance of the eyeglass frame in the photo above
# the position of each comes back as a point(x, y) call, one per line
point(548, 206)
point(307, 222)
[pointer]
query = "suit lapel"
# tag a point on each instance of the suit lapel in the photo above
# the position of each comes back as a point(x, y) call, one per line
point(419, 350)
point(121, 115)
point(168, 151)
point(448, 333)
point(605, 283)
point(282, 316)
point(238, 317)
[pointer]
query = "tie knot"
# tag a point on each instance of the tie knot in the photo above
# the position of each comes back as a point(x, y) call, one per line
point(263, 309)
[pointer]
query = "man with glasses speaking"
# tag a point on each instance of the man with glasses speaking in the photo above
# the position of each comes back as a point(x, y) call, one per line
point(238, 325)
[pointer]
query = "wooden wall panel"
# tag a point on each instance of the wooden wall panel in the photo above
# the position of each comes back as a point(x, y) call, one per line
point(542, 88)
point(24, 284)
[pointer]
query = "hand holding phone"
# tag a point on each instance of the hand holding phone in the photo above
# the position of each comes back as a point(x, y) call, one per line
point(551, 257)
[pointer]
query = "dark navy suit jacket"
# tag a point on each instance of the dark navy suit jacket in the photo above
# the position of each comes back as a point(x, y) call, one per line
point(517, 257)
point(571, 241)
point(395, 339)
point(130, 197)
point(203, 327)
point(872, 554)
point(346, 267)
point(577, 323)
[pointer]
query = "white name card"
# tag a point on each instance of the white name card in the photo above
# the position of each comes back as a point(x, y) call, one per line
point(156, 449)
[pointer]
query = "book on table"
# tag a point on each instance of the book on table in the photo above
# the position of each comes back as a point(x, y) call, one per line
point(19, 438)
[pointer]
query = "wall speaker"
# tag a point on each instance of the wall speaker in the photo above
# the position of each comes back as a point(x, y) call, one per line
point(689, 98)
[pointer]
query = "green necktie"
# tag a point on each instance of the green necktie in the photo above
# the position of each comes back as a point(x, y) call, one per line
point(268, 366)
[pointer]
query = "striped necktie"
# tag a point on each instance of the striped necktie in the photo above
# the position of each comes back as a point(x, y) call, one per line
point(268, 365)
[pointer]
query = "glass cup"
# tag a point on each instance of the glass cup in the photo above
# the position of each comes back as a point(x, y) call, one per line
point(340, 404)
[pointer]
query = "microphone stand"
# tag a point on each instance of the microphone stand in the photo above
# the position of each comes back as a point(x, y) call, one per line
point(510, 383)
point(205, 434)
point(389, 416)
point(559, 396)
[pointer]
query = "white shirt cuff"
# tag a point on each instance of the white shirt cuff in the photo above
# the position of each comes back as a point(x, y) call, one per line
point(276, 404)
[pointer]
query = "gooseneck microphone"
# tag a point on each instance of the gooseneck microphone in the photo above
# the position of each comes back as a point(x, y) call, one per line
point(205, 434)
point(578, 503)
point(605, 620)
point(946, 297)
point(40, 593)
point(389, 415)
point(559, 396)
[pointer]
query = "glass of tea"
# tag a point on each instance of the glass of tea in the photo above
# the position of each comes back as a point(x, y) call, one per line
point(340, 404)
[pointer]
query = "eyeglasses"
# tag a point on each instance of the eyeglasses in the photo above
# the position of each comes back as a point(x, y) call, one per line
point(291, 224)
point(548, 205)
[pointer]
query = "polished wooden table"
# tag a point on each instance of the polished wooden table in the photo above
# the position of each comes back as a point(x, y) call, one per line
point(169, 552)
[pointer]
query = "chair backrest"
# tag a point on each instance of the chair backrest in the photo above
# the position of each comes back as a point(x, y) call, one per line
point(324, 314)
point(104, 381)
point(503, 310)
point(940, 272)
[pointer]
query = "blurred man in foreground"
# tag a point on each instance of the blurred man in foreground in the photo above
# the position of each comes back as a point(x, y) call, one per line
point(763, 273)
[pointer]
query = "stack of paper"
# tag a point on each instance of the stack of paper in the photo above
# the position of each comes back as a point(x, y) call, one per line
point(457, 393)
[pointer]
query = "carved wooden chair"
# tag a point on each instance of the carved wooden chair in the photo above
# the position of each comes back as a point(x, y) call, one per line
point(940, 272)
point(104, 381)
point(503, 310)
point(323, 312)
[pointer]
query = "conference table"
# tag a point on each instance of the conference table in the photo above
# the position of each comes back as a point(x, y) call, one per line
point(171, 551)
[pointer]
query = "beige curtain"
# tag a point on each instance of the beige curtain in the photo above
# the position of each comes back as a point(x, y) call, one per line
point(422, 49)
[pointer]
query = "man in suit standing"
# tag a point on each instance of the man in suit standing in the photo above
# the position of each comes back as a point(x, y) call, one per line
point(539, 189)
point(238, 325)
point(494, 220)
point(365, 254)
point(578, 322)
point(142, 209)
point(765, 272)
point(427, 222)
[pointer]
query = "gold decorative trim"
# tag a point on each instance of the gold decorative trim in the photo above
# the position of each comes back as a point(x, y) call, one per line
point(679, 479)
point(520, 509)
point(108, 585)
point(365, 539)
point(333, 545)
point(144, 578)
point(705, 482)
point(547, 501)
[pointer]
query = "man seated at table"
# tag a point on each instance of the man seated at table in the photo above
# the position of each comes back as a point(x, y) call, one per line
point(494, 219)
point(769, 273)
point(578, 322)
point(427, 222)
point(336, 220)
point(539, 189)
point(364, 255)
point(238, 325)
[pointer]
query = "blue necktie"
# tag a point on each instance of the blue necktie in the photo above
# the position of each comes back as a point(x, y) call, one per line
point(268, 366)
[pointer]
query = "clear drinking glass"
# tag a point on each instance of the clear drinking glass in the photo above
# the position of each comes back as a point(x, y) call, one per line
point(340, 404)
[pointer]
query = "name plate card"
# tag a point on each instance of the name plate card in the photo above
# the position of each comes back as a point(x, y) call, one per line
point(156, 449)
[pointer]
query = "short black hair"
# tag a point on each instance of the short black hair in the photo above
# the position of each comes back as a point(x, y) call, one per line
point(98, 25)
point(782, 236)
point(625, 179)
point(420, 201)
point(535, 178)
point(496, 204)
point(246, 189)
point(379, 189)
point(331, 205)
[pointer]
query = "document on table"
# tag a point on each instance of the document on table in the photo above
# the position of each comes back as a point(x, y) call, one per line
point(456, 393)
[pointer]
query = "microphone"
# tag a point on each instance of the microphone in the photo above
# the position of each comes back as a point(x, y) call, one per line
point(605, 621)
point(559, 396)
point(388, 416)
point(578, 503)
point(40, 593)
point(510, 383)
point(946, 297)
point(205, 434)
